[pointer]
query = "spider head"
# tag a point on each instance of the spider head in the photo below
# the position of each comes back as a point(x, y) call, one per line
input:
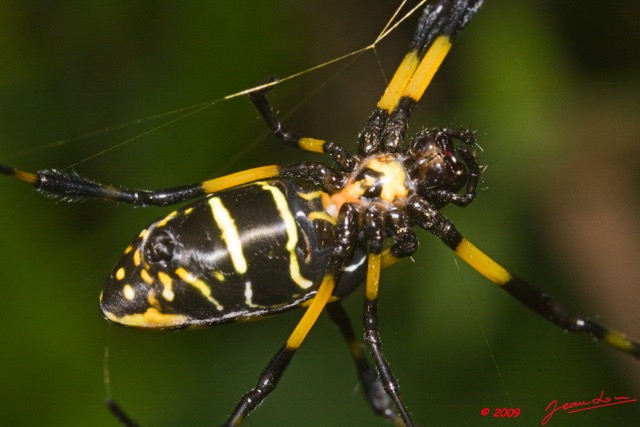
point(442, 165)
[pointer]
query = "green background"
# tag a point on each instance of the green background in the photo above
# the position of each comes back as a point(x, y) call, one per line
point(553, 87)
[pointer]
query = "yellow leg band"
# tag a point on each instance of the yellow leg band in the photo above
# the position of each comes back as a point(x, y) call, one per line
point(239, 178)
point(311, 315)
point(399, 82)
point(311, 144)
point(373, 276)
point(619, 341)
point(387, 259)
point(26, 177)
point(427, 68)
point(482, 263)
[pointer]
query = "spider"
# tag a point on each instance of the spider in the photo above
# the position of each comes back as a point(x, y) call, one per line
point(214, 261)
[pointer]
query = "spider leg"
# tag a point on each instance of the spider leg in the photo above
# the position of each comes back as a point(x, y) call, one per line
point(276, 367)
point(372, 337)
point(541, 303)
point(338, 154)
point(406, 239)
point(346, 230)
point(120, 414)
point(318, 173)
point(367, 374)
point(440, 23)
point(71, 187)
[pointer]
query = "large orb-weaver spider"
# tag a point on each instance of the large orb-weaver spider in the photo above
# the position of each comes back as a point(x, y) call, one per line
point(493, 185)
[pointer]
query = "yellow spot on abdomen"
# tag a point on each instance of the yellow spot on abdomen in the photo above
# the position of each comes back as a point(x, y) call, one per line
point(136, 257)
point(146, 278)
point(166, 219)
point(128, 292)
point(200, 285)
point(143, 234)
point(152, 318)
point(167, 282)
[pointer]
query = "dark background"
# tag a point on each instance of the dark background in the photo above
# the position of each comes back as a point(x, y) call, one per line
point(554, 88)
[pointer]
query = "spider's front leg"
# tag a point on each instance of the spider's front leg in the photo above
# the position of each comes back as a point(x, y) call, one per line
point(71, 187)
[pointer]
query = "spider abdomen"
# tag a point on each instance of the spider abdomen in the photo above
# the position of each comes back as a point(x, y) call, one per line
point(243, 253)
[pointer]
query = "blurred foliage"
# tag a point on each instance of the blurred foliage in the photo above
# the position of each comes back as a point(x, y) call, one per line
point(554, 88)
